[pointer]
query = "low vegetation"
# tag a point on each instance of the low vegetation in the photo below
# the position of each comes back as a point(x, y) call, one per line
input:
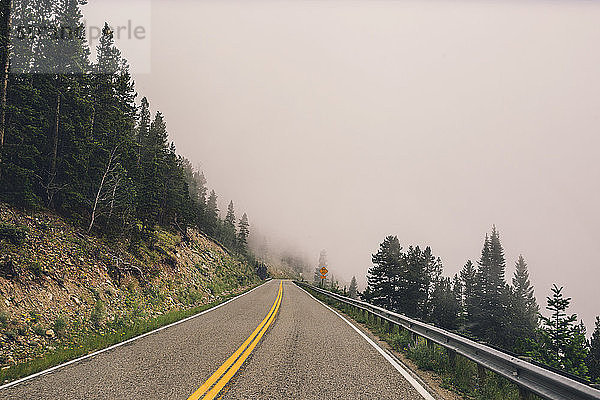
point(86, 344)
point(64, 292)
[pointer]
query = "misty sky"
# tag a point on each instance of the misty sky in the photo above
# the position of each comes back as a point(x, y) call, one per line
point(336, 123)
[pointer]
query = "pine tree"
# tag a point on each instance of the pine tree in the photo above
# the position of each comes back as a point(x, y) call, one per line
point(468, 276)
point(230, 218)
point(212, 214)
point(353, 289)
point(593, 359)
point(445, 310)
point(457, 293)
point(383, 276)
point(561, 341)
point(107, 142)
point(334, 284)
point(491, 318)
point(143, 127)
point(524, 309)
point(73, 140)
point(152, 191)
point(243, 233)
point(229, 227)
point(261, 270)
point(418, 275)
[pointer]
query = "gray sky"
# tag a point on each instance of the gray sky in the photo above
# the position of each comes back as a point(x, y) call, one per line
point(336, 123)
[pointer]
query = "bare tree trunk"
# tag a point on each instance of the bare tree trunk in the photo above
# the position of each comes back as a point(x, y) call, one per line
point(51, 185)
point(99, 192)
point(6, 14)
point(55, 147)
point(112, 197)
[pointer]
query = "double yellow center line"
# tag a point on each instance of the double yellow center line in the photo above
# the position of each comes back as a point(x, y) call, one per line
point(211, 388)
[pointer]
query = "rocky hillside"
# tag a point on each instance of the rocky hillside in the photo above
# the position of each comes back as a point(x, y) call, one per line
point(59, 285)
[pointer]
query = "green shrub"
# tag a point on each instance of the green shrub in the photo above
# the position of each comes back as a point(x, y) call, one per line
point(34, 317)
point(36, 269)
point(401, 341)
point(11, 334)
point(497, 388)
point(97, 313)
point(14, 234)
point(39, 330)
point(3, 319)
point(59, 326)
point(429, 357)
point(462, 376)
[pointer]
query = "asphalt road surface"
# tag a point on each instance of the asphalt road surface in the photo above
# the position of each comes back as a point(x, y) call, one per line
point(307, 352)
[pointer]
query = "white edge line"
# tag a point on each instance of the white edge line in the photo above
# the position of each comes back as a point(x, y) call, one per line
point(426, 395)
point(114, 346)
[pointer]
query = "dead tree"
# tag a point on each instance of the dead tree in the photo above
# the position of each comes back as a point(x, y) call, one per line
point(101, 196)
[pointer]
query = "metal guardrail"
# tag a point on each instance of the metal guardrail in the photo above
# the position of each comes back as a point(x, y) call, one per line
point(529, 377)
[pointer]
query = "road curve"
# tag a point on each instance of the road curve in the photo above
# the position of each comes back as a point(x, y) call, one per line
point(307, 353)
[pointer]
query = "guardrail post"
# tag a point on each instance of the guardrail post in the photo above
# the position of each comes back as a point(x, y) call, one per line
point(452, 358)
point(481, 375)
point(525, 394)
point(413, 338)
point(390, 327)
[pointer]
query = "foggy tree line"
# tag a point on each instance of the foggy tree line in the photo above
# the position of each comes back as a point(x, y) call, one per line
point(74, 140)
point(480, 303)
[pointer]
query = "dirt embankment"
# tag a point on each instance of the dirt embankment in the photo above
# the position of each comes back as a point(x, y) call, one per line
point(58, 284)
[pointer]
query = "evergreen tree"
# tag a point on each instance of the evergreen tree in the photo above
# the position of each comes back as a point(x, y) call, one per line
point(353, 289)
point(468, 276)
point(457, 293)
point(491, 317)
point(418, 275)
point(523, 308)
point(261, 270)
point(383, 276)
point(143, 128)
point(229, 237)
point(202, 194)
point(445, 310)
point(106, 143)
point(73, 140)
point(561, 341)
point(243, 233)
point(212, 214)
point(230, 218)
point(593, 359)
point(334, 284)
point(152, 190)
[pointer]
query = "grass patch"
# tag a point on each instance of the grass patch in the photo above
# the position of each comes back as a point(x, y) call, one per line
point(98, 341)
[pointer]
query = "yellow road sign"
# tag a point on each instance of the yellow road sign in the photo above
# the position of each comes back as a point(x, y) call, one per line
point(323, 271)
point(323, 277)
